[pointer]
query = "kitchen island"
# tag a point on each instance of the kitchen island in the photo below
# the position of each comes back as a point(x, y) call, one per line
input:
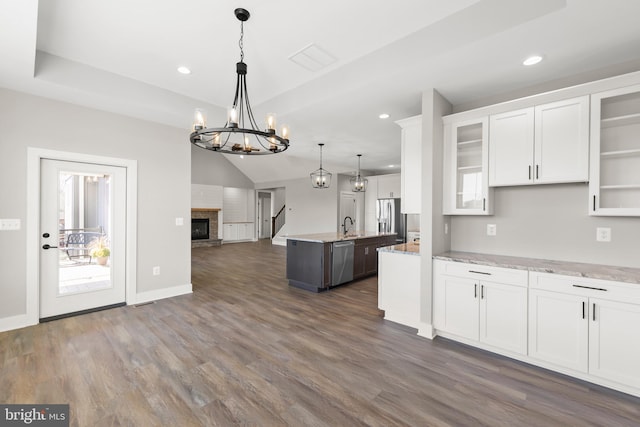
point(317, 262)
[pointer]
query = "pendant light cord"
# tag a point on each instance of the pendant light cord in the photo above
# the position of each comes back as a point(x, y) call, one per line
point(240, 43)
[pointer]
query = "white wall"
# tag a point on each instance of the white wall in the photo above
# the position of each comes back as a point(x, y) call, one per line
point(309, 210)
point(212, 168)
point(163, 156)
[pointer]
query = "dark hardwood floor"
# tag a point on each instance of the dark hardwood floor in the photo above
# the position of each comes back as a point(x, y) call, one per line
point(246, 349)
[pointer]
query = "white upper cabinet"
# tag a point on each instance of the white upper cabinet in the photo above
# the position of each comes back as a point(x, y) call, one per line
point(562, 141)
point(614, 183)
point(411, 167)
point(389, 186)
point(545, 144)
point(511, 148)
point(466, 188)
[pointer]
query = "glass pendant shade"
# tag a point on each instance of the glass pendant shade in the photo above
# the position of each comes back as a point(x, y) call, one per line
point(320, 178)
point(358, 182)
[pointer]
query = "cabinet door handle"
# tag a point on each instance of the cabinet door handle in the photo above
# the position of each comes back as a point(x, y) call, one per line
point(481, 291)
point(366, 251)
point(584, 304)
point(589, 287)
point(479, 272)
point(594, 202)
point(529, 172)
point(484, 204)
point(475, 290)
point(594, 311)
point(537, 171)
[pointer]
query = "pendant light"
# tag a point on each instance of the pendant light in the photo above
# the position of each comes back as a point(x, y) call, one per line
point(241, 134)
point(320, 178)
point(358, 183)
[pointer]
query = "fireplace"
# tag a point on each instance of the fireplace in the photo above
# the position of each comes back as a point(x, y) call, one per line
point(199, 228)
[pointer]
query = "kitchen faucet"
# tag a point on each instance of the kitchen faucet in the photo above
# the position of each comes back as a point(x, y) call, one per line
point(344, 224)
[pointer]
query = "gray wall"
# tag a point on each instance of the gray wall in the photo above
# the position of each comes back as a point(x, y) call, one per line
point(163, 155)
point(549, 222)
point(211, 168)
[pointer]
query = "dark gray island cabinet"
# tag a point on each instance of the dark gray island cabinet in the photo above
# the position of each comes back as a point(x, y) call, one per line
point(313, 264)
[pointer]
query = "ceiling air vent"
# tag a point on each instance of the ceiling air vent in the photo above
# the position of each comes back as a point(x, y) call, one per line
point(313, 58)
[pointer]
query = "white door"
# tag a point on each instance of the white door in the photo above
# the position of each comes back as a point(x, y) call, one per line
point(264, 213)
point(558, 329)
point(614, 341)
point(348, 209)
point(82, 211)
point(503, 316)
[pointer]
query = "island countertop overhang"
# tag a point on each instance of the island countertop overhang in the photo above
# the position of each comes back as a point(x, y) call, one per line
point(337, 237)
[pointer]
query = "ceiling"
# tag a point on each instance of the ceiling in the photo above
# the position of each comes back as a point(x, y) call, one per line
point(122, 56)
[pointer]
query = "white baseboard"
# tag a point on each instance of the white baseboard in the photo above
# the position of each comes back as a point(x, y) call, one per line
point(174, 291)
point(426, 330)
point(280, 241)
point(15, 322)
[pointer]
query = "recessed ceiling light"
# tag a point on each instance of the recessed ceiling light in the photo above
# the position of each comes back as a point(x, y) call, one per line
point(184, 70)
point(532, 60)
point(384, 116)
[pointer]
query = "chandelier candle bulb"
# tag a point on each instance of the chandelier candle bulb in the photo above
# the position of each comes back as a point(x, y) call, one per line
point(232, 117)
point(216, 141)
point(198, 120)
point(285, 132)
point(271, 122)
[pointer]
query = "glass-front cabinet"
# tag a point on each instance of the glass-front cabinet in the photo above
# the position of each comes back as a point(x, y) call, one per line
point(614, 182)
point(466, 189)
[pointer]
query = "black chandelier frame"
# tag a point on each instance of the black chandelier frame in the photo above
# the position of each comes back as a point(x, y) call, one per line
point(218, 139)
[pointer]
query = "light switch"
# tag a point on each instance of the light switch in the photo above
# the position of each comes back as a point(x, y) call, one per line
point(491, 229)
point(9, 224)
point(179, 221)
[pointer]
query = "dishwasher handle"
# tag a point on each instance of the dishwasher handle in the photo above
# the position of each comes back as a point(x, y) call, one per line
point(343, 244)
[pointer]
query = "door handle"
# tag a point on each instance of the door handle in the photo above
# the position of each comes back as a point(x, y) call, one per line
point(475, 291)
point(48, 246)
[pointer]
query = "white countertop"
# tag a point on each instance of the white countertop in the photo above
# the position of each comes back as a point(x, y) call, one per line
point(593, 271)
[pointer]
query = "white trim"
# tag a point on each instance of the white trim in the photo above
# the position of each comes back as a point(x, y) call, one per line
point(34, 155)
point(14, 322)
point(426, 330)
point(162, 294)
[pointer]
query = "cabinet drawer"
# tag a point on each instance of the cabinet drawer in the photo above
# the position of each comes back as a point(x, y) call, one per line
point(484, 272)
point(614, 291)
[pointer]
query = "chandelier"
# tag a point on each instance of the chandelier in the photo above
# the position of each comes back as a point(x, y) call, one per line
point(320, 178)
point(358, 183)
point(241, 133)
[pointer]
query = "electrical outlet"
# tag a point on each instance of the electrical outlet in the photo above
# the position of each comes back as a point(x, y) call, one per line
point(491, 229)
point(9, 224)
point(156, 271)
point(179, 221)
point(603, 234)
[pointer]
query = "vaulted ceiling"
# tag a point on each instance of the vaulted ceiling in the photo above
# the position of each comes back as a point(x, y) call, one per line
point(122, 56)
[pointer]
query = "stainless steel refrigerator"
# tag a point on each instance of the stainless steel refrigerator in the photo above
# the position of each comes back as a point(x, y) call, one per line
point(390, 220)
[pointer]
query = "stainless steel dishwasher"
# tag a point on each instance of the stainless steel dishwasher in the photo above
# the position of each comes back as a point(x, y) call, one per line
point(342, 262)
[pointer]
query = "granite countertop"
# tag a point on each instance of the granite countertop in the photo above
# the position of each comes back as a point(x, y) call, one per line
point(337, 237)
point(404, 248)
point(592, 271)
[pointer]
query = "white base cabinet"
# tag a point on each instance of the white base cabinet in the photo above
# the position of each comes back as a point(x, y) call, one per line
point(586, 325)
point(481, 303)
point(586, 328)
point(238, 231)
